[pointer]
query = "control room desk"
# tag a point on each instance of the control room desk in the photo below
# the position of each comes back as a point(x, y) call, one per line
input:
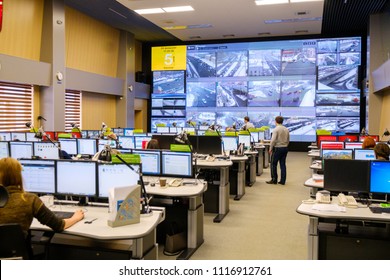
point(195, 211)
point(354, 234)
point(259, 159)
point(223, 187)
point(240, 176)
point(97, 240)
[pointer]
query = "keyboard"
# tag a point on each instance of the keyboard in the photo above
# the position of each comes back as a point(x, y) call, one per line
point(63, 214)
point(379, 210)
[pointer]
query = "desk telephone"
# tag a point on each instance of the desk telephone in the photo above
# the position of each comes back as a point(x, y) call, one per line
point(175, 183)
point(347, 200)
point(210, 158)
point(323, 197)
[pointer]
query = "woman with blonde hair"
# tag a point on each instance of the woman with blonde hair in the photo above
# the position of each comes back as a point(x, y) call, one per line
point(22, 206)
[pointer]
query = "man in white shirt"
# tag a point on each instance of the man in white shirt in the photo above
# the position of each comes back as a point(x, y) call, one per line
point(247, 124)
point(278, 151)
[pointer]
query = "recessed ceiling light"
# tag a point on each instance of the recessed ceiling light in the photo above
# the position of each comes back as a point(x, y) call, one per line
point(192, 26)
point(270, 2)
point(290, 20)
point(175, 27)
point(149, 11)
point(178, 9)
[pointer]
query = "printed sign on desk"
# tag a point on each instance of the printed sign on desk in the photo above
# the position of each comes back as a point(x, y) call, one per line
point(169, 58)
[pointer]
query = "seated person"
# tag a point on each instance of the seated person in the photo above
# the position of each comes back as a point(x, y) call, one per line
point(153, 144)
point(247, 124)
point(368, 143)
point(22, 206)
point(382, 151)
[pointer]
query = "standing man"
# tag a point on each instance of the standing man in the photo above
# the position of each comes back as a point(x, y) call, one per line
point(247, 124)
point(278, 151)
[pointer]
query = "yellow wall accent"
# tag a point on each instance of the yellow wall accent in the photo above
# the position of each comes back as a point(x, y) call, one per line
point(22, 28)
point(98, 108)
point(90, 45)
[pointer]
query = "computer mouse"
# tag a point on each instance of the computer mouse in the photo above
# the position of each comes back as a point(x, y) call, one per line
point(152, 184)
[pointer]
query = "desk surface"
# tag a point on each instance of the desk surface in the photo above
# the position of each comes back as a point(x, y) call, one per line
point(361, 213)
point(99, 229)
point(214, 163)
point(314, 153)
point(182, 191)
point(315, 184)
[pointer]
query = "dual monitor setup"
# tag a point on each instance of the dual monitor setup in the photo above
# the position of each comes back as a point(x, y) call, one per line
point(94, 179)
point(357, 176)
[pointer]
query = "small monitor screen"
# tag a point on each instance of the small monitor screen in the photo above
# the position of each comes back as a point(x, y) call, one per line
point(86, 146)
point(140, 141)
point(175, 129)
point(150, 161)
point(4, 149)
point(118, 131)
point(18, 136)
point(206, 145)
point(39, 176)
point(375, 137)
point(5, 136)
point(346, 175)
point(103, 142)
point(19, 149)
point(30, 136)
point(244, 138)
point(176, 164)
point(364, 154)
point(77, 177)
point(254, 137)
point(348, 138)
point(230, 143)
point(94, 134)
point(353, 145)
point(126, 142)
point(163, 129)
point(69, 145)
point(337, 154)
point(46, 150)
point(321, 138)
point(115, 175)
point(328, 145)
point(380, 177)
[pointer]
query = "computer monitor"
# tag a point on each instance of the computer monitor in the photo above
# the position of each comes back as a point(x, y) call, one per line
point(380, 177)
point(336, 154)
point(4, 149)
point(375, 137)
point(175, 129)
point(165, 141)
point(163, 129)
point(30, 136)
point(39, 176)
point(245, 138)
point(126, 142)
point(347, 175)
point(353, 145)
point(267, 134)
point(321, 138)
point(364, 154)
point(230, 143)
point(140, 141)
point(86, 146)
point(118, 131)
point(94, 134)
point(5, 136)
point(46, 150)
point(21, 149)
point(103, 142)
point(189, 129)
point(206, 145)
point(203, 127)
point(151, 161)
point(348, 138)
point(128, 131)
point(176, 164)
point(76, 177)
point(18, 136)
point(261, 135)
point(115, 175)
point(254, 136)
point(327, 145)
point(68, 145)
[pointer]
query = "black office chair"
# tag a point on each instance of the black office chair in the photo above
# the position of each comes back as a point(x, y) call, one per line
point(13, 243)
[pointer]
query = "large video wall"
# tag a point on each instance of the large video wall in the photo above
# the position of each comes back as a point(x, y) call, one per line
point(313, 83)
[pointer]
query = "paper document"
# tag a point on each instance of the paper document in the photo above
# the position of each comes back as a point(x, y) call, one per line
point(328, 207)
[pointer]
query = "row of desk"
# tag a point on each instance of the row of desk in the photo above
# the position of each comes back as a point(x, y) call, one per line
point(139, 241)
point(347, 233)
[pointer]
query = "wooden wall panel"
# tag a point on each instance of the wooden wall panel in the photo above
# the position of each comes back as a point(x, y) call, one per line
point(98, 108)
point(90, 45)
point(141, 114)
point(22, 28)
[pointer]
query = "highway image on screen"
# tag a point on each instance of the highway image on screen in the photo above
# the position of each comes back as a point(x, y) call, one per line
point(299, 93)
point(232, 94)
point(232, 64)
point(201, 64)
point(264, 93)
point(264, 62)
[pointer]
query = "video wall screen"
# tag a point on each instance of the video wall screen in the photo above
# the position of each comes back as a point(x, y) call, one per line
point(313, 83)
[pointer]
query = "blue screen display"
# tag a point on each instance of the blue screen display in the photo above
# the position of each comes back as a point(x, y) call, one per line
point(380, 177)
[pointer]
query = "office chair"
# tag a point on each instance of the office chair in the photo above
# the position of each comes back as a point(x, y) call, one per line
point(13, 244)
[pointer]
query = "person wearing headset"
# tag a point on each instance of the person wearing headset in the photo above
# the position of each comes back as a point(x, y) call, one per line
point(23, 206)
